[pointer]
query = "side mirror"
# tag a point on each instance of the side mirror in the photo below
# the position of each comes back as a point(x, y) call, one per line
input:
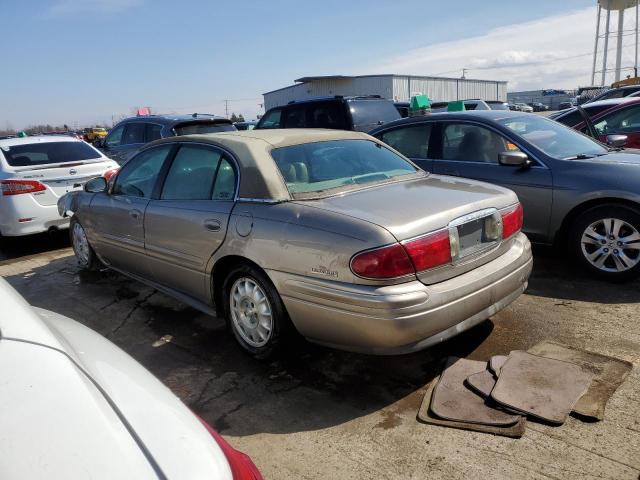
point(514, 159)
point(96, 185)
point(616, 141)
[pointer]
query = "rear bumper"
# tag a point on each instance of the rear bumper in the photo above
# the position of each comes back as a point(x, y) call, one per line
point(17, 207)
point(407, 317)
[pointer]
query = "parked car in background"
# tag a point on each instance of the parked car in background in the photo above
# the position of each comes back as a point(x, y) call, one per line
point(523, 107)
point(497, 105)
point(132, 133)
point(565, 105)
point(538, 107)
point(472, 104)
point(35, 172)
point(574, 190)
point(76, 406)
point(341, 113)
point(403, 108)
point(618, 116)
point(94, 134)
point(327, 231)
point(250, 125)
point(620, 92)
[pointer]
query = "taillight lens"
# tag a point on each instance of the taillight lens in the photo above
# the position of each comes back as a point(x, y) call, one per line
point(110, 173)
point(429, 251)
point(512, 220)
point(385, 262)
point(242, 467)
point(18, 187)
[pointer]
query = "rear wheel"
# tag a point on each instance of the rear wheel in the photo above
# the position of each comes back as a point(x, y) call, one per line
point(84, 253)
point(606, 240)
point(254, 311)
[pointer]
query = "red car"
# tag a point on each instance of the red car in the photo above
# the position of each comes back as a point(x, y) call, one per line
point(616, 116)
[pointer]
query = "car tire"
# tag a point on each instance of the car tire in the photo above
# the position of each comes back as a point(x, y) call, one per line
point(85, 255)
point(606, 241)
point(254, 311)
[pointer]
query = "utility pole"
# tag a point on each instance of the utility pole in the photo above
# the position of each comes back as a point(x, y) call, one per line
point(226, 108)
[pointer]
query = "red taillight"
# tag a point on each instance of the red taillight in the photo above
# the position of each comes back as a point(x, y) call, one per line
point(109, 173)
point(512, 220)
point(242, 467)
point(385, 262)
point(18, 187)
point(429, 251)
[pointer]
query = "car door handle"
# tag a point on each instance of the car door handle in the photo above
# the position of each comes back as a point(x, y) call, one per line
point(212, 225)
point(135, 213)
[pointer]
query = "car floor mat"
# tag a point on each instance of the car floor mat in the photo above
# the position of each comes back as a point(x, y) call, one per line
point(496, 362)
point(425, 415)
point(542, 387)
point(609, 373)
point(482, 383)
point(452, 400)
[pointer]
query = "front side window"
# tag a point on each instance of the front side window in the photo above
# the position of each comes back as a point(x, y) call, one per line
point(271, 119)
point(134, 133)
point(47, 153)
point(312, 169)
point(192, 174)
point(622, 121)
point(472, 143)
point(138, 177)
point(412, 141)
point(153, 132)
point(115, 137)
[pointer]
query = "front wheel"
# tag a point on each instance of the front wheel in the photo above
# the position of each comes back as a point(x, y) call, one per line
point(254, 311)
point(606, 240)
point(84, 252)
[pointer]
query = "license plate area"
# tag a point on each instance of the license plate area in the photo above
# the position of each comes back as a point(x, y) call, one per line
point(475, 233)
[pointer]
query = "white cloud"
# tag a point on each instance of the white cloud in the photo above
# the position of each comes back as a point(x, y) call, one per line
point(552, 52)
point(69, 7)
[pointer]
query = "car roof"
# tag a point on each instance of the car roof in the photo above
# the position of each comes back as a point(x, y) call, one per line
point(612, 102)
point(334, 98)
point(491, 115)
point(8, 142)
point(172, 119)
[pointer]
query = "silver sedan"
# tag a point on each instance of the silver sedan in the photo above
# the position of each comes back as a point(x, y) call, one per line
point(330, 233)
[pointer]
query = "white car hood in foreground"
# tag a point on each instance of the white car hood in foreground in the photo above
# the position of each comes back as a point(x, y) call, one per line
point(75, 406)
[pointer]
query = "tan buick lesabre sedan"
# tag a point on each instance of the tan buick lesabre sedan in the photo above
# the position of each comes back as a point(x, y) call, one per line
point(331, 233)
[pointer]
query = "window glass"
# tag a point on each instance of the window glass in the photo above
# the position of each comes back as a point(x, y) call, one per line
point(50, 152)
point(114, 138)
point(191, 174)
point(203, 127)
point(472, 143)
point(138, 176)
point(294, 117)
point(367, 114)
point(412, 141)
point(271, 119)
point(225, 184)
point(622, 121)
point(320, 166)
point(327, 115)
point(153, 132)
point(134, 133)
point(552, 138)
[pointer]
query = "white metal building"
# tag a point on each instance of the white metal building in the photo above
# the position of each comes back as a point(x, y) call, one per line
point(399, 88)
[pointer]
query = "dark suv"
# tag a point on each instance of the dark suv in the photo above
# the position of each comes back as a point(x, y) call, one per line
point(132, 133)
point(342, 113)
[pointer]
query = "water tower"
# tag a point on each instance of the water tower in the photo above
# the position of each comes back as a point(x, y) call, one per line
point(618, 6)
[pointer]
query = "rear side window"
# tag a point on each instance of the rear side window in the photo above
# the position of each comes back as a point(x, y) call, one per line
point(367, 114)
point(412, 141)
point(192, 174)
point(294, 117)
point(327, 115)
point(225, 184)
point(138, 177)
point(134, 133)
point(271, 119)
point(46, 153)
point(153, 132)
point(194, 128)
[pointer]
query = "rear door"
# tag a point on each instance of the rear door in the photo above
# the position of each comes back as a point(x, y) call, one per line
point(117, 217)
point(471, 150)
point(412, 141)
point(188, 222)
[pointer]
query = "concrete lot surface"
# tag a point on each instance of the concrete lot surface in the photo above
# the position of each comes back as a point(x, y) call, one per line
point(319, 413)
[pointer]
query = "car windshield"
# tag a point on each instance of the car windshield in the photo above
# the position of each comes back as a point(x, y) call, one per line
point(43, 153)
point(203, 127)
point(313, 168)
point(552, 138)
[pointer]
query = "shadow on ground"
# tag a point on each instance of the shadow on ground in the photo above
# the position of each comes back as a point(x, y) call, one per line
point(16, 247)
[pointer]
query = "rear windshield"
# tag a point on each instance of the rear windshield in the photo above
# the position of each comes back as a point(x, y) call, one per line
point(203, 127)
point(368, 114)
point(51, 152)
point(311, 169)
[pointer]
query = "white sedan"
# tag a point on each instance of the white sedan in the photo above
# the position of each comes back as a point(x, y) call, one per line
point(35, 172)
point(75, 406)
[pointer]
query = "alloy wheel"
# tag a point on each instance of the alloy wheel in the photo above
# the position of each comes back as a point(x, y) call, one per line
point(80, 244)
point(611, 245)
point(251, 312)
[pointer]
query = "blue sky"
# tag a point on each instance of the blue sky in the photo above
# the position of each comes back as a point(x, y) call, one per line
point(68, 61)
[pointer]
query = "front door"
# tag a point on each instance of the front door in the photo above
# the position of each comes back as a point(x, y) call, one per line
point(117, 220)
point(470, 150)
point(412, 141)
point(188, 222)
